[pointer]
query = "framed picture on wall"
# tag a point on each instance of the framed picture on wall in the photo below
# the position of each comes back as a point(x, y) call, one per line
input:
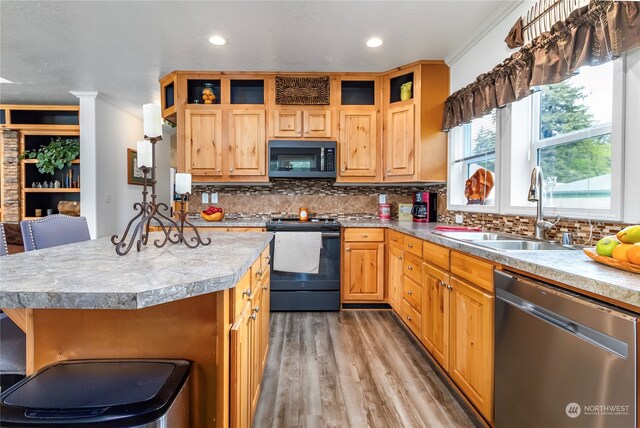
point(134, 174)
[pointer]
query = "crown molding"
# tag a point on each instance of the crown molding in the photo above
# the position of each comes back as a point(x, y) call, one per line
point(501, 13)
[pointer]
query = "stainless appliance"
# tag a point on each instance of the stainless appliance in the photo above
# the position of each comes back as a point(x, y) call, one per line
point(561, 359)
point(101, 393)
point(302, 291)
point(302, 159)
point(424, 207)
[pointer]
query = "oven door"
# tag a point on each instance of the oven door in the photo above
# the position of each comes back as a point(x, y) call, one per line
point(301, 159)
point(310, 292)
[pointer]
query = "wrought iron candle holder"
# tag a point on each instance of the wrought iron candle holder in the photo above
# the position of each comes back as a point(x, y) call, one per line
point(149, 210)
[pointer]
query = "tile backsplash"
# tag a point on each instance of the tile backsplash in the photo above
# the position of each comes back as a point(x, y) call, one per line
point(324, 198)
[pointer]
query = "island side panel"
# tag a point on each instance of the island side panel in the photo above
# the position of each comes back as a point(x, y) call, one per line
point(184, 329)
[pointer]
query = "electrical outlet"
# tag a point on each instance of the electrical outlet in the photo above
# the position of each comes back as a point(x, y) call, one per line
point(214, 197)
point(459, 218)
point(205, 198)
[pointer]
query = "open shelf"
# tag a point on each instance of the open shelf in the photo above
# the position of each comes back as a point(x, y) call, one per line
point(195, 87)
point(45, 117)
point(46, 200)
point(73, 162)
point(247, 91)
point(169, 95)
point(358, 92)
point(60, 190)
point(394, 86)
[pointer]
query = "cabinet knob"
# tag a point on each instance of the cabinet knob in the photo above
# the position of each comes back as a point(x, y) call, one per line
point(342, 170)
point(256, 309)
point(259, 273)
point(449, 287)
point(388, 170)
point(253, 316)
point(400, 258)
point(247, 292)
point(410, 267)
point(230, 169)
point(268, 258)
point(410, 293)
point(409, 317)
point(265, 287)
point(364, 235)
point(218, 169)
point(410, 245)
point(347, 249)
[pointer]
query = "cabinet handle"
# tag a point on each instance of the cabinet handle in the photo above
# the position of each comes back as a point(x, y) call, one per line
point(230, 169)
point(410, 267)
point(256, 309)
point(342, 170)
point(410, 293)
point(409, 317)
point(265, 287)
point(218, 169)
point(347, 249)
point(259, 273)
point(410, 245)
point(400, 258)
point(395, 239)
point(364, 235)
point(388, 170)
point(253, 316)
point(247, 293)
point(268, 258)
point(449, 287)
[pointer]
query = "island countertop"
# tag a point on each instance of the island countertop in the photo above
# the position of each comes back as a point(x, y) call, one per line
point(90, 275)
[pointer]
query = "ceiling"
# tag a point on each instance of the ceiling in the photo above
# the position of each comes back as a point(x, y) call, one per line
point(121, 48)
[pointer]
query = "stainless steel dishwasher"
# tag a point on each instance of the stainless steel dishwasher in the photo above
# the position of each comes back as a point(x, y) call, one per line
point(561, 359)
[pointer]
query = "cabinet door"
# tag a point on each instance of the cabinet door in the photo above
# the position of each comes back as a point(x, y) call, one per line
point(396, 266)
point(435, 313)
point(399, 155)
point(471, 343)
point(364, 271)
point(265, 313)
point(240, 371)
point(247, 143)
point(255, 348)
point(203, 138)
point(287, 123)
point(358, 144)
point(317, 124)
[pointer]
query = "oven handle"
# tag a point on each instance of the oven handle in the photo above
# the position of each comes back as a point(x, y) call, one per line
point(330, 234)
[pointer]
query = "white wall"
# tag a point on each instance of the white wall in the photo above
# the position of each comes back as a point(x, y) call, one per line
point(106, 198)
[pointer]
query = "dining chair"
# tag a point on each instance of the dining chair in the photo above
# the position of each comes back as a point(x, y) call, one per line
point(12, 340)
point(53, 230)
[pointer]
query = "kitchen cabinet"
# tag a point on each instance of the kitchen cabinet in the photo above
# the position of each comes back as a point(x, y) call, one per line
point(203, 135)
point(241, 370)
point(471, 343)
point(435, 320)
point(301, 123)
point(396, 275)
point(415, 148)
point(357, 145)
point(247, 143)
point(363, 265)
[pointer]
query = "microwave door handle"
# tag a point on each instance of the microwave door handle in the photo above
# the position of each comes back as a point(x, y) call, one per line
point(322, 159)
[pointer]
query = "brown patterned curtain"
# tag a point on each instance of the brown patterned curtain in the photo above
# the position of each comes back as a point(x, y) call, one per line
point(592, 35)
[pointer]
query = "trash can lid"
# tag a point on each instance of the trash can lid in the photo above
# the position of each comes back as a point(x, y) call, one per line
point(109, 387)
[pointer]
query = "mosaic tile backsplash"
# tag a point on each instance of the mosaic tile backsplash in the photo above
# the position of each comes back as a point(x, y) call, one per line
point(324, 198)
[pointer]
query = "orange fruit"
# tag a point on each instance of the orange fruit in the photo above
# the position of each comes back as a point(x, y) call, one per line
point(620, 252)
point(633, 254)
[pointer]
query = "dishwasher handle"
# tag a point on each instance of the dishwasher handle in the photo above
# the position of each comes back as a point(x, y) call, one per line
point(579, 330)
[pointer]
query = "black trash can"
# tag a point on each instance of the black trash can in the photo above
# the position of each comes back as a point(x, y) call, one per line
point(101, 393)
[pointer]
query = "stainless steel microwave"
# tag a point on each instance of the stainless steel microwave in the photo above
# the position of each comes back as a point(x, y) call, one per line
point(302, 159)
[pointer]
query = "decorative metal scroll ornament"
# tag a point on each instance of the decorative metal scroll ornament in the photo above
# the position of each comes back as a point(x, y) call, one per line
point(152, 210)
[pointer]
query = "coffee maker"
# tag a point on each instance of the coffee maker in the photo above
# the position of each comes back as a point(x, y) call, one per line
point(424, 207)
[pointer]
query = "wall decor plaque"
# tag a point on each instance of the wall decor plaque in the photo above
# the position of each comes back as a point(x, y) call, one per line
point(302, 90)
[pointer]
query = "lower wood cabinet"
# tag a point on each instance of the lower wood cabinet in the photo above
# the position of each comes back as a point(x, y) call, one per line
point(363, 265)
point(435, 321)
point(395, 276)
point(249, 341)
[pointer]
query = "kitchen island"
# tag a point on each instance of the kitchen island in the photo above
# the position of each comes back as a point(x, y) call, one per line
point(82, 300)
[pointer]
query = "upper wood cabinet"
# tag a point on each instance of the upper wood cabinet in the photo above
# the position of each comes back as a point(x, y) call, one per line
point(247, 143)
point(301, 123)
point(357, 146)
point(203, 137)
point(415, 148)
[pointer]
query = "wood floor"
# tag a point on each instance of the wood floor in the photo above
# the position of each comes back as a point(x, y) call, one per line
point(350, 369)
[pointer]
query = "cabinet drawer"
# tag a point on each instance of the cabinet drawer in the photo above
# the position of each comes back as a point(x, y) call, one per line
point(412, 267)
point(396, 238)
point(411, 317)
point(265, 257)
point(413, 245)
point(474, 270)
point(356, 234)
point(412, 293)
point(242, 294)
point(436, 254)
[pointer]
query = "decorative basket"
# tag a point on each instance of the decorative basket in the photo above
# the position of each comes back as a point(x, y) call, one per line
point(610, 261)
point(69, 208)
point(213, 217)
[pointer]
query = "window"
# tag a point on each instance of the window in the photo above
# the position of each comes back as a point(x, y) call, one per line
point(571, 139)
point(471, 146)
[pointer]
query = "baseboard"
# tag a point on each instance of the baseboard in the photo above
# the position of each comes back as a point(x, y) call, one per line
point(366, 306)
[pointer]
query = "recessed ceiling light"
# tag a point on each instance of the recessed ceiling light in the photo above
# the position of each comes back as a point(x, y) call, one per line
point(217, 40)
point(374, 42)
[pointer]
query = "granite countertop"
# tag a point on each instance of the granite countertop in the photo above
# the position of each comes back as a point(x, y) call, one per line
point(230, 222)
point(569, 267)
point(90, 275)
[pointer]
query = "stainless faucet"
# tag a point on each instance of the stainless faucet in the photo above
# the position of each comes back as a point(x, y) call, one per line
point(535, 195)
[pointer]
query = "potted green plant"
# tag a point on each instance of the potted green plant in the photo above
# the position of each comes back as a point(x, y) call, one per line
point(60, 152)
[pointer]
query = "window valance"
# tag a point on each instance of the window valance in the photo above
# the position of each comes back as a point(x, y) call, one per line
point(591, 35)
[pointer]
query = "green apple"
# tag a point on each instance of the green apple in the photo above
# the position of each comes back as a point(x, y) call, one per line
point(630, 235)
point(605, 246)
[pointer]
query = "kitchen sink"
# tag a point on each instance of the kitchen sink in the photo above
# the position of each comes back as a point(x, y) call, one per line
point(522, 245)
point(477, 236)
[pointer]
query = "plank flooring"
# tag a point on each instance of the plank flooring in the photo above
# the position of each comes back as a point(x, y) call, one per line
point(350, 369)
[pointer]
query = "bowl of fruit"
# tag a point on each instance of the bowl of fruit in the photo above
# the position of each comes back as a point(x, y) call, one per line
point(621, 251)
point(212, 214)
